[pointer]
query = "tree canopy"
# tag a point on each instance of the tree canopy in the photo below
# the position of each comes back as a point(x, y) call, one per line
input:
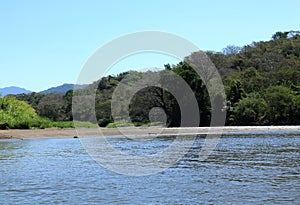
point(262, 84)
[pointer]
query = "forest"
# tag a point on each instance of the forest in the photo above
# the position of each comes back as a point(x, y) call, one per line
point(261, 81)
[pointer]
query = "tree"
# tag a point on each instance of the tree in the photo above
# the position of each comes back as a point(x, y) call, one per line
point(280, 35)
point(250, 110)
point(103, 113)
point(234, 90)
point(187, 73)
point(269, 69)
point(296, 110)
point(280, 100)
point(16, 114)
point(231, 50)
point(52, 107)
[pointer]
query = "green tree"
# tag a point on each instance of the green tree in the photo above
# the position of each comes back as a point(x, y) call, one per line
point(280, 35)
point(103, 113)
point(187, 73)
point(52, 106)
point(234, 90)
point(280, 101)
point(296, 110)
point(16, 114)
point(250, 110)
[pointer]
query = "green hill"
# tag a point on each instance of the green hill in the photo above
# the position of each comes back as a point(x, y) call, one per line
point(262, 83)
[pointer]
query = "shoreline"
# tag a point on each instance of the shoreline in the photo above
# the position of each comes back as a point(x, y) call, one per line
point(140, 131)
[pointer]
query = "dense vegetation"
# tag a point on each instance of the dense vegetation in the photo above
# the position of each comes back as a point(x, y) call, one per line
point(262, 83)
point(18, 114)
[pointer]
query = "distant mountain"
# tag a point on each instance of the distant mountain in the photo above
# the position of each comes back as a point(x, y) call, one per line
point(62, 88)
point(13, 90)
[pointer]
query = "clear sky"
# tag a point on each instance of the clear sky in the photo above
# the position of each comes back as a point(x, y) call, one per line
point(46, 43)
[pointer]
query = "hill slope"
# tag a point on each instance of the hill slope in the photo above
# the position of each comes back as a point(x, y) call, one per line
point(261, 81)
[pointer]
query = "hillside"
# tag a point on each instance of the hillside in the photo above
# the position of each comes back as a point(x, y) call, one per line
point(13, 90)
point(262, 84)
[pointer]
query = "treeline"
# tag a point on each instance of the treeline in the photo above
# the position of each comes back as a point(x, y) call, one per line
point(16, 114)
point(54, 106)
point(262, 84)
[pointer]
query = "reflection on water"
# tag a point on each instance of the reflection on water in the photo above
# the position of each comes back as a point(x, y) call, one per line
point(248, 169)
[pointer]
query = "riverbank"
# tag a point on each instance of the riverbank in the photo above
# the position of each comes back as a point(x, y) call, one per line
point(87, 132)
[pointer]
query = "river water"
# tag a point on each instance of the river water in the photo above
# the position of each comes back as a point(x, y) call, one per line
point(243, 169)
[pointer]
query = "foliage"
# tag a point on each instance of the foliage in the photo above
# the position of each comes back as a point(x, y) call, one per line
point(84, 124)
point(56, 107)
point(269, 69)
point(18, 114)
point(119, 124)
point(262, 84)
point(280, 102)
point(250, 110)
point(15, 114)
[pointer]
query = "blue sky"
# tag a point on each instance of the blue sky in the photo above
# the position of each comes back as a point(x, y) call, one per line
point(46, 43)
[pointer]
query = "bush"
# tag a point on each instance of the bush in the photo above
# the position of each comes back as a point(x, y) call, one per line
point(15, 114)
point(104, 122)
point(250, 110)
point(119, 124)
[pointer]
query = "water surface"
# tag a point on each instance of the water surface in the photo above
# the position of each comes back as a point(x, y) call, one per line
point(244, 169)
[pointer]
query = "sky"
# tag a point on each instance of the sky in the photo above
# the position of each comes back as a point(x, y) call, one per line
point(46, 43)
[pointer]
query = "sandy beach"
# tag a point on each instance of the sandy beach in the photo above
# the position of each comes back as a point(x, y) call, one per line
point(88, 132)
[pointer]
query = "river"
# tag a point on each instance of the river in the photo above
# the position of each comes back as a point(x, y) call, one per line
point(243, 169)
